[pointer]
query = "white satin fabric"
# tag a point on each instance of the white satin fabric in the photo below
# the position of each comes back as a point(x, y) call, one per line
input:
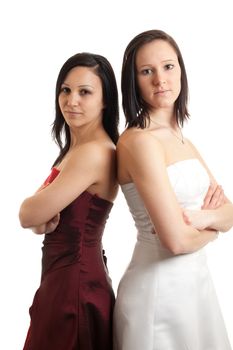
point(167, 302)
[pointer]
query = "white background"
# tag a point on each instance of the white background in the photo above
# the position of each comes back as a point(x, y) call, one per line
point(36, 38)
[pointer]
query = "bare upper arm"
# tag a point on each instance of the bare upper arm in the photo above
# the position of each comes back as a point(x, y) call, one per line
point(82, 170)
point(144, 160)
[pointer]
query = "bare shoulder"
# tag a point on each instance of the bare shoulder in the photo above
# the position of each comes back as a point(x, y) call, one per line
point(138, 151)
point(135, 139)
point(94, 153)
point(89, 161)
point(98, 147)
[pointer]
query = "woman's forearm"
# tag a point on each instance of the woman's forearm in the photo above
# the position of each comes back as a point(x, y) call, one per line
point(195, 241)
point(219, 219)
point(47, 227)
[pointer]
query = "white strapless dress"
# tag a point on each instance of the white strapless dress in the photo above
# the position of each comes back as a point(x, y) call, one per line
point(167, 302)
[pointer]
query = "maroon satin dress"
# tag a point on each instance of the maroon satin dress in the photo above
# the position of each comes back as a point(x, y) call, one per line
point(72, 309)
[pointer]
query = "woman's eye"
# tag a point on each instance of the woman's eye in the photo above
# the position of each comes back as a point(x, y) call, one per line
point(169, 66)
point(84, 92)
point(64, 89)
point(146, 71)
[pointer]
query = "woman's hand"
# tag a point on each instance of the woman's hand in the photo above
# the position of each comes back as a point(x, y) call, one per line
point(214, 197)
point(49, 227)
point(196, 218)
point(201, 219)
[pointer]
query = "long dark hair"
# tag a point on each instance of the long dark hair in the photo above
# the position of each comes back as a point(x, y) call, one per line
point(135, 108)
point(104, 71)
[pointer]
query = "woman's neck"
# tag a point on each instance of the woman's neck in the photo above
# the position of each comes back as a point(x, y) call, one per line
point(86, 134)
point(164, 118)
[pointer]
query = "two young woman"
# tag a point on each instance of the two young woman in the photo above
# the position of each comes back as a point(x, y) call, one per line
point(166, 299)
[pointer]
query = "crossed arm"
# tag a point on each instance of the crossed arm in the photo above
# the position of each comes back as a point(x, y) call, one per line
point(216, 212)
point(214, 199)
point(41, 212)
point(48, 227)
point(135, 155)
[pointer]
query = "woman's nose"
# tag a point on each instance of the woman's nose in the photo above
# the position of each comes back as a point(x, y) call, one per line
point(159, 78)
point(73, 99)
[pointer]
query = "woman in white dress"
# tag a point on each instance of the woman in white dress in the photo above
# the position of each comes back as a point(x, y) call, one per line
point(166, 299)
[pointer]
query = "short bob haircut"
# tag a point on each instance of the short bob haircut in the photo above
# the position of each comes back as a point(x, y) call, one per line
point(103, 69)
point(135, 108)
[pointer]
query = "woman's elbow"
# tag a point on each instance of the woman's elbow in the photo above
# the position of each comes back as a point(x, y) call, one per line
point(26, 216)
point(175, 248)
point(24, 222)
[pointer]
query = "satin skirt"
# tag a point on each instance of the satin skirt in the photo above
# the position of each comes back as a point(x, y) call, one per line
point(167, 302)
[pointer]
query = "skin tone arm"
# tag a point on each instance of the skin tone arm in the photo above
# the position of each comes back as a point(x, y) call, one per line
point(78, 174)
point(152, 182)
point(219, 218)
point(214, 197)
point(48, 227)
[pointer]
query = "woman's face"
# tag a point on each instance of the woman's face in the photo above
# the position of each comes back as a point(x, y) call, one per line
point(158, 74)
point(81, 97)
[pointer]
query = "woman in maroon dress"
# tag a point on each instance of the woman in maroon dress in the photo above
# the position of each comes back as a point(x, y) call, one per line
point(72, 309)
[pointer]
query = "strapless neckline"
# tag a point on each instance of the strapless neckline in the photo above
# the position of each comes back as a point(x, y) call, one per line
point(170, 166)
